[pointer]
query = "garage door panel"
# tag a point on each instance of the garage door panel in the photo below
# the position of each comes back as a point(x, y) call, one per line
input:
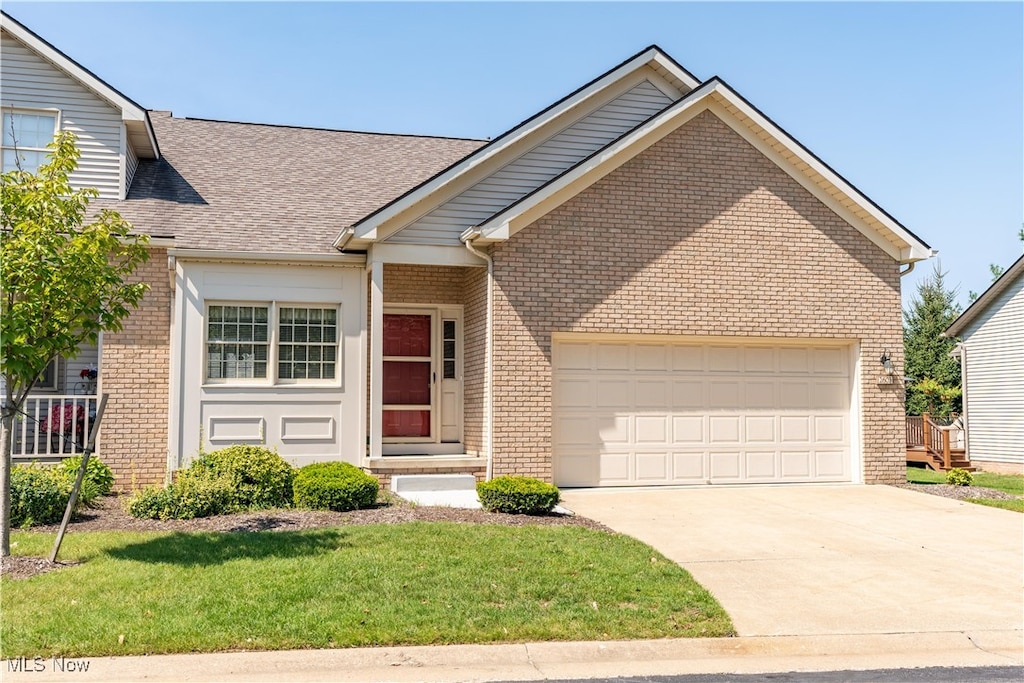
point(613, 393)
point(648, 413)
point(760, 395)
point(652, 429)
point(613, 357)
point(831, 464)
point(688, 394)
point(688, 429)
point(760, 429)
point(616, 467)
point(614, 430)
point(760, 464)
point(689, 467)
point(649, 357)
point(652, 467)
point(796, 464)
point(725, 466)
point(724, 394)
point(653, 393)
point(573, 393)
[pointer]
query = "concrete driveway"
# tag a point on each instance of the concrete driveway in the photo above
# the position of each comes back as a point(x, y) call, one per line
point(815, 560)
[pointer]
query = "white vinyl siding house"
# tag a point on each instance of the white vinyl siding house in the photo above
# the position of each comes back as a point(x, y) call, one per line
point(548, 159)
point(992, 358)
point(32, 83)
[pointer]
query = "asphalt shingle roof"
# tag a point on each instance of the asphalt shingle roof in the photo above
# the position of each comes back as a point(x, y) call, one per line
point(253, 187)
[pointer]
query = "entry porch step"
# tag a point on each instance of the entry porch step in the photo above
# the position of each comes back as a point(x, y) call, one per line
point(437, 490)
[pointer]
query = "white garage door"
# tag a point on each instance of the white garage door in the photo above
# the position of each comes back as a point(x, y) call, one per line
point(628, 413)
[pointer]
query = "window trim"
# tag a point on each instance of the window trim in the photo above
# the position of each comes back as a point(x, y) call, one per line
point(29, 111)
point(273, 346)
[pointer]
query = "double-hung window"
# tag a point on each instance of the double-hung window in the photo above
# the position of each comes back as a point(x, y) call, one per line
point(25, 137)
point(275, 343)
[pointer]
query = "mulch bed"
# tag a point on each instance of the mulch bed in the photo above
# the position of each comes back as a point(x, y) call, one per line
point(109, 515)
point(958, 492)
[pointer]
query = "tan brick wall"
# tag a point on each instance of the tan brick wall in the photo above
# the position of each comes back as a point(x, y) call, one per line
point(699, 235)
point(135, 372)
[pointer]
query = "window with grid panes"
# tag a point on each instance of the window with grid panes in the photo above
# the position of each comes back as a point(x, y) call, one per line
point(237, 342)
point(25, 137)
point(307, 344)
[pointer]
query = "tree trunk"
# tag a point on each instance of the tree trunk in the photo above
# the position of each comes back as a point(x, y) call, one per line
point(6, 433)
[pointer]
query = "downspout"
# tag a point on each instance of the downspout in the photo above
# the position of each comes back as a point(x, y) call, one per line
point(910, 267)
point(488, 392)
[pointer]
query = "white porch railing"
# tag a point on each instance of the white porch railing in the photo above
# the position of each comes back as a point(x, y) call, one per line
point(53, 426)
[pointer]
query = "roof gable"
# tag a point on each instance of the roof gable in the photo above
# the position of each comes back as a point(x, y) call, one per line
point(135, 117)
point(987, 298)
point(651, 65)
point(715, 95)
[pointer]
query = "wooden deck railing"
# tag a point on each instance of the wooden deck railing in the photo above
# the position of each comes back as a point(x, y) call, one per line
point(53, 426)
point(932, 434)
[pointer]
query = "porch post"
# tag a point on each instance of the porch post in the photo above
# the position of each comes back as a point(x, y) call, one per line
point(376, 357)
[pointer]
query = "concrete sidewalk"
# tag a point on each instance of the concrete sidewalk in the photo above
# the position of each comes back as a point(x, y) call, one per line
point(538, 661)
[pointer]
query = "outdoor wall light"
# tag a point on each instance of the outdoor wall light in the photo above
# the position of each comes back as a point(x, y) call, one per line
point(886, 361)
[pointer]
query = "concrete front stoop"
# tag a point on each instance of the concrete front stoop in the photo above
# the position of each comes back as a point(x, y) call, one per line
point(437, 490)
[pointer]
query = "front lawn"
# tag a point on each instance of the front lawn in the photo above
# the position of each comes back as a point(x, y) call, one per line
point(415, 583)
point(1012, 484)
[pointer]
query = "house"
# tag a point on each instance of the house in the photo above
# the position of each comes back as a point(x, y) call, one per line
point(991, 351)
point(648, 282)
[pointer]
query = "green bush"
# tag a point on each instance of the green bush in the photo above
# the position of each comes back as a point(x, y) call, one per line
point(189, 497)
point(336, 486)
point(98, 480)
point(959, 477)
point(38, 495)
point(259, 478)
point(518, 495)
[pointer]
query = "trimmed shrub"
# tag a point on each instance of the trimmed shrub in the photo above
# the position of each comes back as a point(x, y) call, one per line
point(258, 477)
point(518, 495)
point(189, 497)
point(337, 486)
point(38, 495)
point(959, 477)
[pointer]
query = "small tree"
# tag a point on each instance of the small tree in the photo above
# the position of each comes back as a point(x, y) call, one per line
point(62, 282)
point(934, 374)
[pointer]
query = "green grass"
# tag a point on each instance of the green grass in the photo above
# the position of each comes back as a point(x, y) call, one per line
point(415, 583)
point(1008, 483)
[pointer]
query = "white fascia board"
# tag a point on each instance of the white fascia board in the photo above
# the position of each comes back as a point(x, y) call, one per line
point(423, 254)
point(1010, 275)
point(130, 111)
point(366, 229)
point(335, 259)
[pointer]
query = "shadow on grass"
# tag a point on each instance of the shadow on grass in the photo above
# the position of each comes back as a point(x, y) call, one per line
point(210, 548)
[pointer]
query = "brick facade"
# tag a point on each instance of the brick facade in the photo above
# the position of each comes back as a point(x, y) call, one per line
point(135, 372)
point(698, 235)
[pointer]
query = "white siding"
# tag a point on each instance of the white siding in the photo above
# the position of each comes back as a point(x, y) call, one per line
point(31, 82)
point(131, 163)
point(994, 344)
point(545, 161)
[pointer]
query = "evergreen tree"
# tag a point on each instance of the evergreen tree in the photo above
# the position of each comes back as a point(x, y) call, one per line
point(933, 376)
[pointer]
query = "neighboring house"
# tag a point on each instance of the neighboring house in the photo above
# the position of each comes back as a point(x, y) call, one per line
point(648, 282)
point(991, 351)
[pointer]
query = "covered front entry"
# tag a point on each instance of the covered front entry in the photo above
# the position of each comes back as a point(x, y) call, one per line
point(422, 383)
point(638, 410)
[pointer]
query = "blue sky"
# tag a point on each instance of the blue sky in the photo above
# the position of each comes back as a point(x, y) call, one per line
point(920, 105)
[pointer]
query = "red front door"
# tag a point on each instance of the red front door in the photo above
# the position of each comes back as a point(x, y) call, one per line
point(408, 376)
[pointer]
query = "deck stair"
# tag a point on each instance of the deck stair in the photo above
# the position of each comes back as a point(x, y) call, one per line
point(933, 442)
